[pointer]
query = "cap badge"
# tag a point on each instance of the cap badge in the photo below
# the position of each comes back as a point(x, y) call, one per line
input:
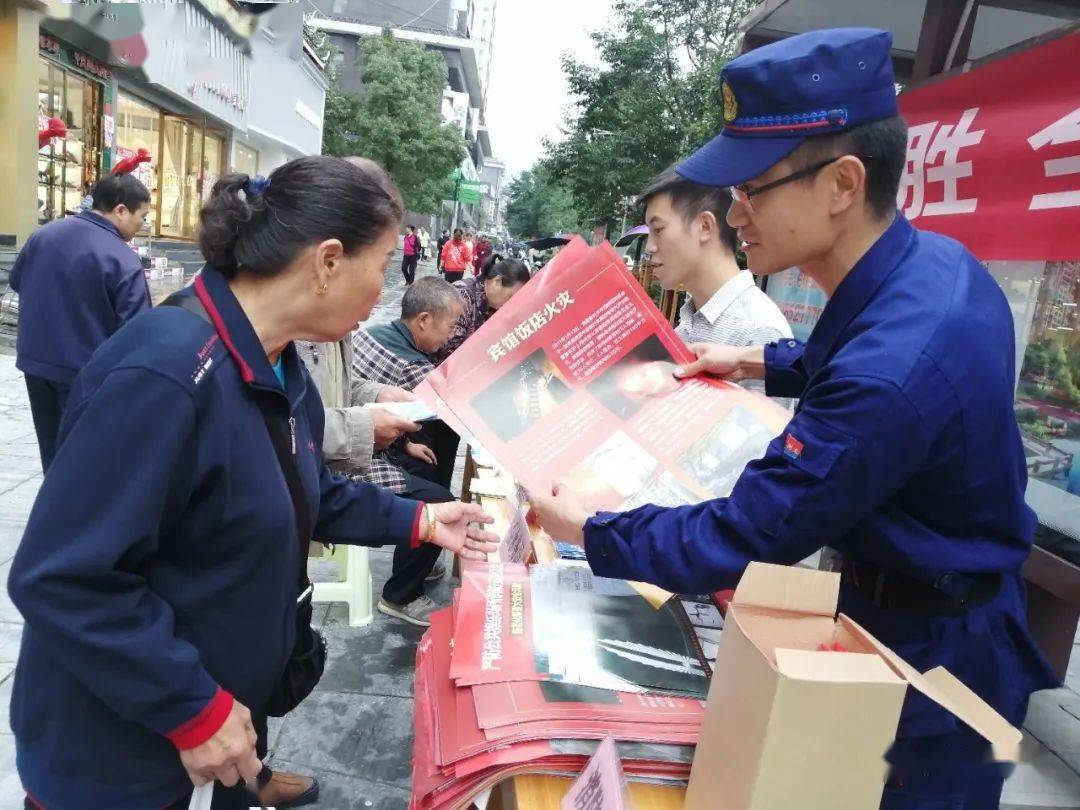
point(731, 106)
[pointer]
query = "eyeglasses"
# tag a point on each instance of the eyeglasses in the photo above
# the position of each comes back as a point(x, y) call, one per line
point(742, 193)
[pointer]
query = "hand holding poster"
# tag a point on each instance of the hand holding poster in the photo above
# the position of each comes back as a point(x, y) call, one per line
point(573, 380)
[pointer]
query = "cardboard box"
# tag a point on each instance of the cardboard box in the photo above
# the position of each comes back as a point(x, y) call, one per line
point(789, 726)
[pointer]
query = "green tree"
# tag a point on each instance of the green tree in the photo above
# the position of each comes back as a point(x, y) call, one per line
point(396, 119)
point(653, 99)
point(538, 205)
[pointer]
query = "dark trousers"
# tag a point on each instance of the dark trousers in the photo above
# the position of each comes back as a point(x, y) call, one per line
point(408, 268)
point(946, 772)
point(442, 439)
point(453, 275)
point(47, 401)
point(411, 565)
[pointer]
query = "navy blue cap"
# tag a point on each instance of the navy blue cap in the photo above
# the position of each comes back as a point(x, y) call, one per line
point(777, 96)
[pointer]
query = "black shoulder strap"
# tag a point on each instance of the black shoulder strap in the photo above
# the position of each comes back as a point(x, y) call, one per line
point(282, 436)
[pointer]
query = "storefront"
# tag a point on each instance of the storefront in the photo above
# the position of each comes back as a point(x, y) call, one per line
point(74, 88)
point(188, 158)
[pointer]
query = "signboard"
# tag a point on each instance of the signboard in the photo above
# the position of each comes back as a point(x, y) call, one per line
point(994, 155)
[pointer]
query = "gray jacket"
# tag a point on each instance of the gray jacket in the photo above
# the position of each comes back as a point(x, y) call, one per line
point(349, 436)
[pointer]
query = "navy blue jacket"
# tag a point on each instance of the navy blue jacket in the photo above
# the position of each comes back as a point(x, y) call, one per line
point(904, 452)
point(158, 572)
point(78, 282)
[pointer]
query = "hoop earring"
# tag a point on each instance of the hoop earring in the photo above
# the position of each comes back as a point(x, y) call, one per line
point(321, 289)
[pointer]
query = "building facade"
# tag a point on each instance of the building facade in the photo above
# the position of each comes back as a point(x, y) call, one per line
point(462, 32)
point(176, 82)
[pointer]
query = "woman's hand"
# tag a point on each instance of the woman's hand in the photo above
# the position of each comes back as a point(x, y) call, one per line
point(387, 426)
point(421, 452)
point(453, 530)
point(562, 514)
point(391, 393)
point(229, 756)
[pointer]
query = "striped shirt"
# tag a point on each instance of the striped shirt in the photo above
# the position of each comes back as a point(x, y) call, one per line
point(738, 314)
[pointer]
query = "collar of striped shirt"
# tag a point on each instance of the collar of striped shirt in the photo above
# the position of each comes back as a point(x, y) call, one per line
point(722, 298)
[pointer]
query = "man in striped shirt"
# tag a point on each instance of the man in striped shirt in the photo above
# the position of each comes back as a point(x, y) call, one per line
point(691, 245)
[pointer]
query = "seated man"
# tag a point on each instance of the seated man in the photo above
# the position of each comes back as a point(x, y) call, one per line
point(399, 354)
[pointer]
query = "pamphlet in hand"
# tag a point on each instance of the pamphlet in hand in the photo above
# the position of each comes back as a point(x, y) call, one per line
point(572, 380)
point(415, 411)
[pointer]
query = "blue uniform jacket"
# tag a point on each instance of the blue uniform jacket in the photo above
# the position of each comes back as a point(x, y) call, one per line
point(904, 452)
point(78, 282)
point(158, 572)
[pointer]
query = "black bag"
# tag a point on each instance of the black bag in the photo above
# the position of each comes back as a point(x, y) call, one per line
point(308, 658)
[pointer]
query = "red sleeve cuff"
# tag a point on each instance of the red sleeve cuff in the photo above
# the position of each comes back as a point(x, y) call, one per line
point(205, 724)
point(414, 541)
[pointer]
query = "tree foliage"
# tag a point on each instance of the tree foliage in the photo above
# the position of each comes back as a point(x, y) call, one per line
point(653, 99)
point(396, 119)
point(538, 205)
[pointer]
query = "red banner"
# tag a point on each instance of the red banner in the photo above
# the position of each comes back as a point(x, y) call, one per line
point(994, 155)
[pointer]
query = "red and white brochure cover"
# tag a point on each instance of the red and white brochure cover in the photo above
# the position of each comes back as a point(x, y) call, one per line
point(572, 379)
point(512, 703)
point(493, 634)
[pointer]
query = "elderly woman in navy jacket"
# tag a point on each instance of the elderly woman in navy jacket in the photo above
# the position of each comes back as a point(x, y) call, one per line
point(158, 572)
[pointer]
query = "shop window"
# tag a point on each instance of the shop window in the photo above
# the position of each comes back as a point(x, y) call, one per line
point(246, 160)
point(67, 167)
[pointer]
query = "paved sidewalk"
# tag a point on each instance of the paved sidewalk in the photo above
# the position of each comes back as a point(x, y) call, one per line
point(355, 731)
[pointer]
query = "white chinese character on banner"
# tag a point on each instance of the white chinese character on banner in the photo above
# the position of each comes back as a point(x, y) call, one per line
point(919, 170)
point(523, 330)
point(1064, 130)
point(496, 351)
point(510, 342)
point(564, 300)
point(914, 175)
point(537, 320)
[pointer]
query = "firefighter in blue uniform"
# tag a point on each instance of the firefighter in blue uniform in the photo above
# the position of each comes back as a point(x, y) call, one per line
point(904, 453)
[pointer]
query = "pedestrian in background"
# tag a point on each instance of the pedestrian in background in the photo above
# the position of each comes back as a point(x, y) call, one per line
point(482, 251)
point(456, 256)
point(439, 248)
point(410, 255)
point(78, 282)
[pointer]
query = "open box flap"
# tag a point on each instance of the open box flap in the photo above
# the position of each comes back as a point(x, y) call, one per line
point(942, 687)
point(784, 587)
point(834, 667)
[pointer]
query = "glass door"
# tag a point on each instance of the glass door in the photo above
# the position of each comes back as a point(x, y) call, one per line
point(138, 126)
point(179, 174)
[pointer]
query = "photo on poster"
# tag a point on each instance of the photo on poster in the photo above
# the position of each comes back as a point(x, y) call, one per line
point(523, 396)
point(717, 458)
point(662, 490)
point(618, 469)
point(627, 384)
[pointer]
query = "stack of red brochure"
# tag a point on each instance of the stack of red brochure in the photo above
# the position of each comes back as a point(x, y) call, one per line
point(532, 667)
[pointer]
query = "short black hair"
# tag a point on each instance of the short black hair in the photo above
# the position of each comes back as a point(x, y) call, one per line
point(412, 227)
point(457, 231)
point(511, 272)
point(692, 199)
point(880, 145)
point(428, 294)
point(119, 189)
